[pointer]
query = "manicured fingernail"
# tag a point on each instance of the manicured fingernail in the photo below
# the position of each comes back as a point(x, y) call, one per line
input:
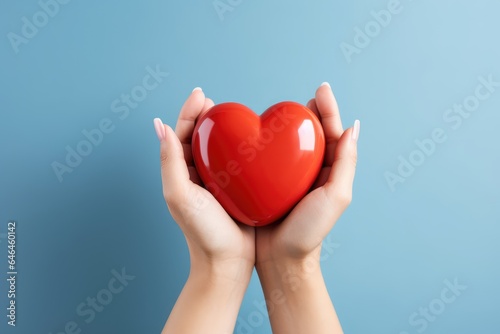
point(326, 84)
point(160, 129)
point(197, 88)
point(355, 130)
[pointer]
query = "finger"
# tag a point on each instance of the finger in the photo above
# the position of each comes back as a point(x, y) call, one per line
point(206, 107)
point(329, 111)
point(330, 119)
point(323, 176)
point(188, 154)
point(174, 171)
point(312, 106)
point(340, 181)
point(194, 176)
point(188, 115)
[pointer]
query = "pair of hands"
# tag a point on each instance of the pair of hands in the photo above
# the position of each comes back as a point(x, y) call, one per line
point(231, 250)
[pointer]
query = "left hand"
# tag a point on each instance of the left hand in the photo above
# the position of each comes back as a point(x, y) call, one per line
point(301, 233)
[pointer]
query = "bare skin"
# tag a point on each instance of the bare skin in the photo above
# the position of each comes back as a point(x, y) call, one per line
point(287, 254)
point(223, 252)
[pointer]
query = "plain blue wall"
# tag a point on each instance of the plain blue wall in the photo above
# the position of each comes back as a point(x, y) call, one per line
point(393, 249)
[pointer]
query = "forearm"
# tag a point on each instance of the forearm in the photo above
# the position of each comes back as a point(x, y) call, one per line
point(209, 302)
point(297, 298)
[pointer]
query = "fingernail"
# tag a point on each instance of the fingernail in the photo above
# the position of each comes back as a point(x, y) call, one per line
point(160, 129)
point(197, 88)
point(355, 130)
point(326, 84)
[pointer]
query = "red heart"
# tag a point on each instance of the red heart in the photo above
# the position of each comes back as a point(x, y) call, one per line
point(258, 168)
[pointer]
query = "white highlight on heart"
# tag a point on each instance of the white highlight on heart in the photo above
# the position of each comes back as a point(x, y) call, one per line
point(204, 131)
point(307, 135)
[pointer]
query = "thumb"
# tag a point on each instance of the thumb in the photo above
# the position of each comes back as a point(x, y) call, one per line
point(174, 171)
point(340, 181)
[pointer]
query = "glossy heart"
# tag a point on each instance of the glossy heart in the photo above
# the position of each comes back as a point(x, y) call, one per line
point(258, 167)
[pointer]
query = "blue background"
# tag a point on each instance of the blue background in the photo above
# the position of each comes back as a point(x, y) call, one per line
point(394, 249)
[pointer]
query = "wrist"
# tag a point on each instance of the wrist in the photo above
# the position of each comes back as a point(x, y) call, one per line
point(212, 295)
point(234, 273)
point(289, 274)
point(297, 297)
point(288, 270)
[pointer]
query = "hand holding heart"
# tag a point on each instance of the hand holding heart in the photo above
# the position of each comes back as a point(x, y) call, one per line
point(301, 233)
point(219, 245)
point(205, 222)
point(211, 234)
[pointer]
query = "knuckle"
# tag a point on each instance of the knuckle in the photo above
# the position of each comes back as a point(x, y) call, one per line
point(172, 197)
point(343, 198)
point(354, 160)
point(351, 159)
point(163, 160)
point(338, 198)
